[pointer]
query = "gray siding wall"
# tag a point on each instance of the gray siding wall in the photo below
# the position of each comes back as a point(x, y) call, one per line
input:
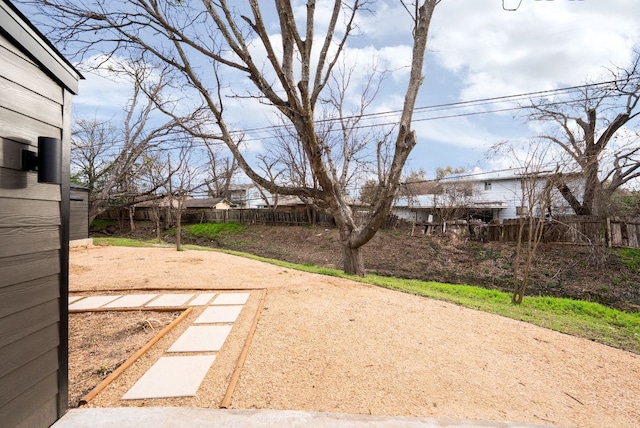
point(31, 251)
point(79, 220)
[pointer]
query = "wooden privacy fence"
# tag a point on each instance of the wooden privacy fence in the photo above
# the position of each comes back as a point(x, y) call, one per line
point(306, 217)
point(258, 216)
point(611, 231)
point(244, 215)
point(299, 217)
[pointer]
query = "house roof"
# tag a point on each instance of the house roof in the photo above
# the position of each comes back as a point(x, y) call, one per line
point(204, 202)
point(16, 25)
point(189, 203)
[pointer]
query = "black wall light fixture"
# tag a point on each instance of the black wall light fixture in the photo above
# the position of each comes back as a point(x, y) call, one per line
point(47, 162)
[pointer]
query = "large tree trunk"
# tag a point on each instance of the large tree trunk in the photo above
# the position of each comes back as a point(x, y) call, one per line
point(351, 249)
point(132, 224)
point(353, 260)
point(568, 195)
point(179, 231)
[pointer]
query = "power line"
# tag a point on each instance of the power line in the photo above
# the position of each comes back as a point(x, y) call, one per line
point(481, 102)
point(459, 104)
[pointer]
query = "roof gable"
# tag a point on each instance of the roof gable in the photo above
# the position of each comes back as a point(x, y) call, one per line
point(33, 43)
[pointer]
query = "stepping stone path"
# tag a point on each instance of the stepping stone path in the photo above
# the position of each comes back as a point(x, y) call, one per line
point(177, 376)
point(172, 377)
point(133, 301)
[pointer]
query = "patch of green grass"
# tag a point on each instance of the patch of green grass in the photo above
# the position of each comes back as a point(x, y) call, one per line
point(129, 242)
point(630, 257)
point(589, 320)
point(99, 223)
point(575, 317)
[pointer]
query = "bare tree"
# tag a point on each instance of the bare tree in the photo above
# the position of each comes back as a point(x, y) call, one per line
point(109, 158)
point(93, 147)
point(535, 201)
point(292, 78)
point(156, 177)
point(537, 196)
point(221, 171)
point(454, 197)
point(350, 147)
point(181, 186)
point(593, 132)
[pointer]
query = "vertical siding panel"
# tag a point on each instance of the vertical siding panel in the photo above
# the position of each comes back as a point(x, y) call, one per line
point(79, 214)
point(63, 305)
point(34, 233)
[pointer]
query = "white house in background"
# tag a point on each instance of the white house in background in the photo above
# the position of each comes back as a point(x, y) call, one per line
point(245, 196)
point(490, 196)
point(249, 196)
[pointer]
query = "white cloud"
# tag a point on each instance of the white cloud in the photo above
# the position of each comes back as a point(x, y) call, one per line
point(104, 93)
point(480, 50)
point(459, 133)
point(540, 46)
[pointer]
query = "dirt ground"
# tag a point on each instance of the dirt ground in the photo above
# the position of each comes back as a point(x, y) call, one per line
point(328, 344)
point(101, 341)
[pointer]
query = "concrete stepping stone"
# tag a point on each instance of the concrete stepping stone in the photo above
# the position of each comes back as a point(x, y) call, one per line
point(172, 377)
point(92, 302)
point(219, 314)
point(201, 338)
point(74, 298)
point(131, 301)
point(231, 299)
point(170, 300)
point(202, 299)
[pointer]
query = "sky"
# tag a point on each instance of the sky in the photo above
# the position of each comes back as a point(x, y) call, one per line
point(477, 50)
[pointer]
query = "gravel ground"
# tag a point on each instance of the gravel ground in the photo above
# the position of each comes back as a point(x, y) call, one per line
point(328, 344)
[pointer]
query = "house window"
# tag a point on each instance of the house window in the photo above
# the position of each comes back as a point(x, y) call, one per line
point(487, 185)
point(522, 210)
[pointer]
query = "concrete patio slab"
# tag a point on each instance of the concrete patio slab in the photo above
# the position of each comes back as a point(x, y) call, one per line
point(177, 417)
point(92, 302)
point(172, 377)
point(170, 300)
point(202, 299)
point(131, 301)
point(219, 314)
point(201, 338)
point(74, 298)
point(231, 299)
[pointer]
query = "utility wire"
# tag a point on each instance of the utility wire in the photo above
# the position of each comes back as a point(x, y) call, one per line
point(432, 108)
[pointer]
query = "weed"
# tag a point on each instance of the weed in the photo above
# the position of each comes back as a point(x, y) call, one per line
point(630, 257)
point(99, 223)
point(147, 324)
point(104, 370)
point(491, 254)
